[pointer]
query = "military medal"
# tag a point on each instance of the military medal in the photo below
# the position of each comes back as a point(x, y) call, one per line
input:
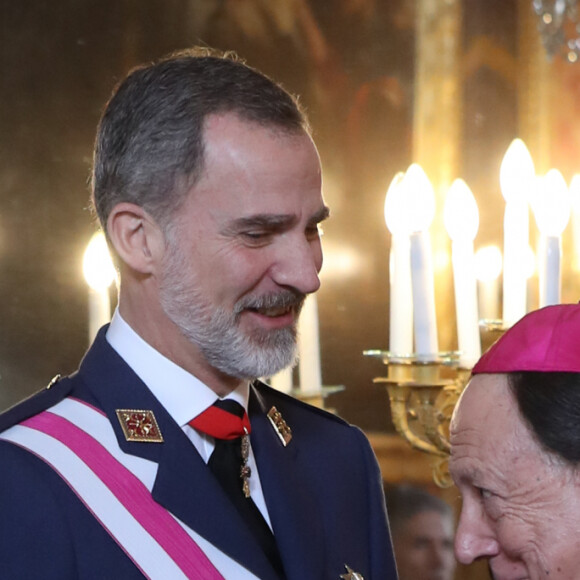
point(139, 425)
point(245, 471)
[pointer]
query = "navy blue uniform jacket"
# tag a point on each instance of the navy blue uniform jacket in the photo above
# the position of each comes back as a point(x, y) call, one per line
point(323, 490)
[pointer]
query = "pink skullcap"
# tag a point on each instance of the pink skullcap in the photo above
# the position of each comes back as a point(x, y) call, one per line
point(546, 340)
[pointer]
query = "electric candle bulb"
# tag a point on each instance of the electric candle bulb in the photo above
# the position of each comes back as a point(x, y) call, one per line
point(488, 267)
point(98, 268)
point(517, 176)
point(516, 172)
point(461, 218)
point(421, 210)
point(400, 305)
point(99, 274)
point(575, 219)
point(460, 214)
point(420, 199)
point(551, 205)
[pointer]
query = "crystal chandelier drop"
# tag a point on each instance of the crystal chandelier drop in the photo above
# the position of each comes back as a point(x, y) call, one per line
point(559, 27)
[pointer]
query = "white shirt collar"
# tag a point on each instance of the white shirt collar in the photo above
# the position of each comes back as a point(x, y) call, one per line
point(182, 394)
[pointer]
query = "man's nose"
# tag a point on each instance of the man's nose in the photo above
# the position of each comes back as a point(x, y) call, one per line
point(298, 266)
point(474, 539)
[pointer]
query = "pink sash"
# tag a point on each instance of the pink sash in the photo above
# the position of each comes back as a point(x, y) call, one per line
point(158, 543)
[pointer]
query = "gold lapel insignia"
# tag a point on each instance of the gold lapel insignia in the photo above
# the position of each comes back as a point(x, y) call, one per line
point(280, 426)
point(351, 574)
point(139, 425)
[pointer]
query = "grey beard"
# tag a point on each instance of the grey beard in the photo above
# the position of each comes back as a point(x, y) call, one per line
point(249, 357)
point(217, 334)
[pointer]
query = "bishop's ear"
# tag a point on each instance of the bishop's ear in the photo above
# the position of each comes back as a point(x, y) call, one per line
point(136, 237)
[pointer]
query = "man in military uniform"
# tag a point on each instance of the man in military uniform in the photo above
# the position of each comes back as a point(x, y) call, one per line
point(164, 456)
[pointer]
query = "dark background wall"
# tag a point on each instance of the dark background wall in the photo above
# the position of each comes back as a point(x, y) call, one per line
point(353, 67)
point(58, 64)
point(351, 62)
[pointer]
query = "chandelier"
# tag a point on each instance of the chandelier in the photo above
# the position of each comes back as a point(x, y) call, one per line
point(559, 27)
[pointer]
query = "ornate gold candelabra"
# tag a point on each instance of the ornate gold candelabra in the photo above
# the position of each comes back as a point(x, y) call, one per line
point(423, 393)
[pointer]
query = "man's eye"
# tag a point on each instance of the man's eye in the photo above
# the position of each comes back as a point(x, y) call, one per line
point(256, 237)
point(484, 493)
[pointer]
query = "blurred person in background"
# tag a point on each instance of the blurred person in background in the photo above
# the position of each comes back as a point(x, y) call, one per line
point(422, 528)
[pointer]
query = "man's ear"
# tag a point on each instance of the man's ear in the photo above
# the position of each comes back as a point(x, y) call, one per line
point(136, 237)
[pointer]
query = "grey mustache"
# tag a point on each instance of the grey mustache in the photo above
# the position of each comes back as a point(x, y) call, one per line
point(286, 299)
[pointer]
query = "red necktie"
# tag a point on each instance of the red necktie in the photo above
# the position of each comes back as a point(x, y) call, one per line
point(227, 422)
point(225, 419)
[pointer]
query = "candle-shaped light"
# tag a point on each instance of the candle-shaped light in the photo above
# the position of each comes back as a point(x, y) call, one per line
point(400, 292)
point(488, 266)
point(551, 206)
point(516, 177)
point(99, 273)
point(461, 218)
point(309, 348)
point(575, 219)
point(421, 210)
point(530, 269)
